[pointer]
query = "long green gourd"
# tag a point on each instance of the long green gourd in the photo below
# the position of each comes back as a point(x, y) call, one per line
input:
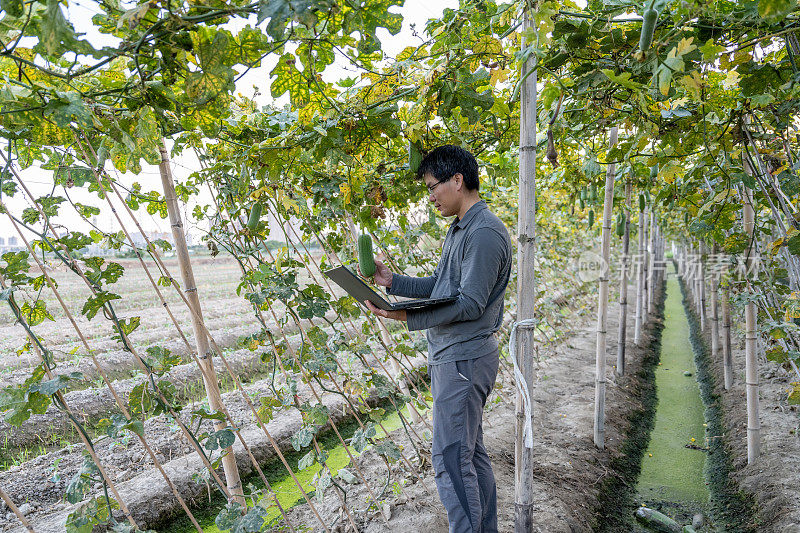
point(366, 261)
point(255, 216)
point(649, 19)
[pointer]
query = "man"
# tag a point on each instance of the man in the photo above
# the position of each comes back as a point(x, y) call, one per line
point(462, 349)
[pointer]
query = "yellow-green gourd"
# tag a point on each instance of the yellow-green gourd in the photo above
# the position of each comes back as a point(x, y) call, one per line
point(591, 217)
point(366, 261)
point(255, 217)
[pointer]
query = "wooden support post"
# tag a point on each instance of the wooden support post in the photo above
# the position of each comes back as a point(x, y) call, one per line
point(714, 307)
point(702, 285)
point(524, 493)
point(727, 354)
point(751, 335)
point(646, 266)
point(204, 352)
point(623, 286)
point(602, 306)
point(637, 326)
point(651, 276)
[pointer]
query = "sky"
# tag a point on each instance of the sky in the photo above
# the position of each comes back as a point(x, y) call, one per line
point(40, 181)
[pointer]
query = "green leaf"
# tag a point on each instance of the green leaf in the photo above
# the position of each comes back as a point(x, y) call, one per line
point(346, 476)
point(80, 484)
point(302, 438)
point(227, 518)
point(624, 79)
point(139, 400)
point(307, 460)
point(56, 33)
point(224, 438)
point(50, 387)
point(389, 450)
point(136, 426)
point(96, 302)
point(252, 522)
point(316, 415)
point(161, 360)
point(362, 437)
point(775, 10)
point(710, 50)
point(793, 244)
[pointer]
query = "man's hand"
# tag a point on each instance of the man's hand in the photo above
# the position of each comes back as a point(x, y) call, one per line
point(383, 276)
point(394, 315)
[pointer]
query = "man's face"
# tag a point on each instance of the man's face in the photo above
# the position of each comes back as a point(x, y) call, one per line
point(444, 194)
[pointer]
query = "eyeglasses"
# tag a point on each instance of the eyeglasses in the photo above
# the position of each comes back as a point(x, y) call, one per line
point(431, 189)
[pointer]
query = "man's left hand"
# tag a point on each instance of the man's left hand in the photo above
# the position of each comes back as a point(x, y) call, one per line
point(394, 315)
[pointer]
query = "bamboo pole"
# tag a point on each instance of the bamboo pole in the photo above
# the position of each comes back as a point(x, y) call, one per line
point(702, 285)
point(651, 275)
point(204, 353)
point(727, 355)
point(715, 308)
point(602, 306)
point(751, 363)
point(623, 291)
point(645, 267)
point(524, 494)
point(637, 326)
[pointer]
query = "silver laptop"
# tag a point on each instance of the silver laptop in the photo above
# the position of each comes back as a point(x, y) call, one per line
point(355, 287)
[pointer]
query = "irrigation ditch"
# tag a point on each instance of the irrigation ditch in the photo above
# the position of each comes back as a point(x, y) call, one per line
point(674, 459)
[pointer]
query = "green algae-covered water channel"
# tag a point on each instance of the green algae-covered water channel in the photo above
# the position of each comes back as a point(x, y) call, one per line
point(282, 484)
point(672, 476)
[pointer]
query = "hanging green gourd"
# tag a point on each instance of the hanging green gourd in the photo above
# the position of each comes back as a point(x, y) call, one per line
point(591, 218)
point(102, 155)
point(583, 194)
point(366, 261)
point(583, 204)
point(649, 19)
point(255, 217)
point(654, 172)
point(592, 193)
point(620, 225)
point(641, 203)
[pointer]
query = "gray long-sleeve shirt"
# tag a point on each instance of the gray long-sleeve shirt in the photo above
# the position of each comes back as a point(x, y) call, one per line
point(475, 267)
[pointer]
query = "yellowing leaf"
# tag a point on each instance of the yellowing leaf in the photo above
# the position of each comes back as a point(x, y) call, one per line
point(498, 75)
point(693, 84)
point(731, 80)
point(685, 46)
point(287, 202)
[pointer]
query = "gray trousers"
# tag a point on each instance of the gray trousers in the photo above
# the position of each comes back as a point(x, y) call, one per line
point(464, 476)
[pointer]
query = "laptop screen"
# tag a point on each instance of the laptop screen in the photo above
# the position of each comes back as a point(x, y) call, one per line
point(356, 287)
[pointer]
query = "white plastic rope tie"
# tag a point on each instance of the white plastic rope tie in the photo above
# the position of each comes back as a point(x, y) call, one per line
point(522, 385)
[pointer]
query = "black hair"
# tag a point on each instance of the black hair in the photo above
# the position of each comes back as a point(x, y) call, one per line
point(445, 161)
